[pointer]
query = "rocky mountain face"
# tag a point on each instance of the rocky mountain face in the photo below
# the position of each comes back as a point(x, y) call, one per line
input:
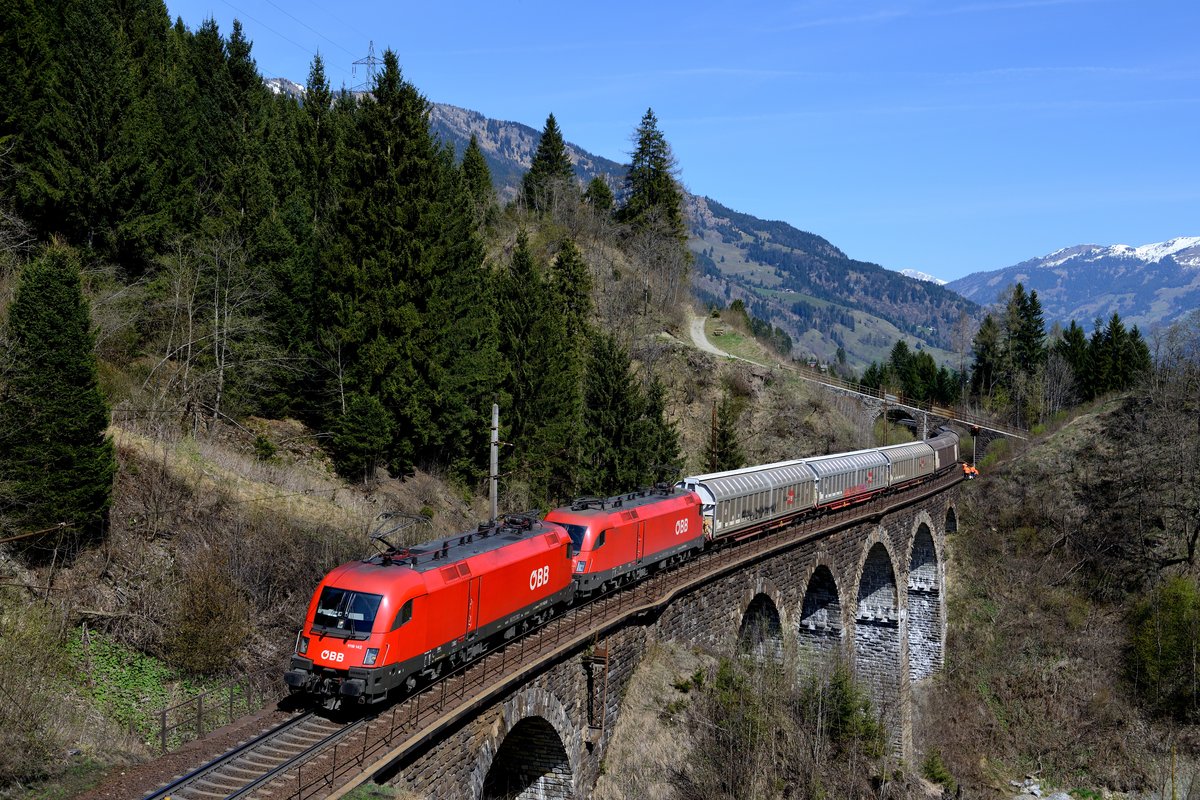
point(508, 148)
point(1147, 285)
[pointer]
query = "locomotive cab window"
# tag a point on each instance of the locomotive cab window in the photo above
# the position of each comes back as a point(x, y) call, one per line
point(403, 615)
point(576, 532)
point(599, 541)
point(342, 611)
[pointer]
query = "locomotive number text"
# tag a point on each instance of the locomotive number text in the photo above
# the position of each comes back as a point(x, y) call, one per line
point(681, 526)
point(539, 577)
point(333, 655)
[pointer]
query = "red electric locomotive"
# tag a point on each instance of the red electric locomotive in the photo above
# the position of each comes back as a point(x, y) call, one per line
point(375, 624)
point(618, 539)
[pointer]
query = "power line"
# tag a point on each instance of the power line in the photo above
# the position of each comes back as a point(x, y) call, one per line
point(306, 25)
point(287, 39)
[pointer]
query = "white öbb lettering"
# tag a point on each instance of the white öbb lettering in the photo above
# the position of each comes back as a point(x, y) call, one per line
point(681, 526)
point(333, 655)
point(539, 578)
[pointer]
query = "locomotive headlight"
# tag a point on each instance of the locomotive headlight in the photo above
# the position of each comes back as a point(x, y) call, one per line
point(302, 647)
point(369, 658)
point(580, 566)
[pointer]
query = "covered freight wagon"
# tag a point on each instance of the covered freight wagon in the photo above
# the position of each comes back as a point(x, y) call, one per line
point(738, 499)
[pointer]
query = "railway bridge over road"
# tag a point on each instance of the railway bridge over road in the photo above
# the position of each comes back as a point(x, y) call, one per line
point(535, 719)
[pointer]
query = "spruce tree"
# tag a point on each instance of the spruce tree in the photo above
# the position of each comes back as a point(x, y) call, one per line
point(1073, 347)
point(550, 172)
point(477, 179)
point(1100, 374)
point(361, 437)
point(76, 110)
point(56, 461)
point(612, 458)
point(320, 142)
point(1113, 352)
point(371, 283)
point(599, 196)
point(659, 437)
point(405, 312)
point(247, 184)
point(724, 452)
point(901, 368)
point(542, 384)
point(986, 370)
point(207, 160)
point(456, 343)
point(654, 199)
point(1032, 336)
point(1137, 357)
point(571, 283)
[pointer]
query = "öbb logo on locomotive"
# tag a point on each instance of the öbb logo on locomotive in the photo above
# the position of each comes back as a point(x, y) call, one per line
point(539, 578)
point(404, 616)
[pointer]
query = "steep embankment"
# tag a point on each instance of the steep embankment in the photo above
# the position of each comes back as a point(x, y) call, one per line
point(1058, 544)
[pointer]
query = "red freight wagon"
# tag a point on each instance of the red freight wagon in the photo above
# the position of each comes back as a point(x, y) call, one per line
point(621, 537)
point(375, 624)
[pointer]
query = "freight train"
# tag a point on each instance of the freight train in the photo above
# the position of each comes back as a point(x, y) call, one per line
point(376, 625)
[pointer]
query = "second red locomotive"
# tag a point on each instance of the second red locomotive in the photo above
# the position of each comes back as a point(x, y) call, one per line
point(619, 539)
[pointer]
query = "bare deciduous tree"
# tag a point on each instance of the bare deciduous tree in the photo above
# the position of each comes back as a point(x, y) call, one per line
point(209, 325)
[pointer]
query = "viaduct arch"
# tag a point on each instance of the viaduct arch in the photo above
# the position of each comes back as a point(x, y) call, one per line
point(871, 593)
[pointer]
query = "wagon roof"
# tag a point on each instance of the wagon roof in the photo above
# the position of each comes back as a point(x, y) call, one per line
point(735, 483)
point(833, 464)
point(895, 452)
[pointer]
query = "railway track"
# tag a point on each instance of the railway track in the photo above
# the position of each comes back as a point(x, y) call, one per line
point(259, 761)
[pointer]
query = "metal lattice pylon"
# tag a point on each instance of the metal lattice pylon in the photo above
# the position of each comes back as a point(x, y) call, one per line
point(370, 63)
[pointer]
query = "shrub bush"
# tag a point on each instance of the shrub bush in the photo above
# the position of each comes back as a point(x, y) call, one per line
point(33, 683)
point(210, 621)
point(1165, 648)
point(935, 770)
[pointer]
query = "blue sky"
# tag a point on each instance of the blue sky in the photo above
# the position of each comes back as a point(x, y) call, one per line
point(949, 137)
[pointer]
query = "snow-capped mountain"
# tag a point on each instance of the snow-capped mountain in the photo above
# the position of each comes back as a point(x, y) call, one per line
point(1146, 285)
point(284, 86)
point(921, 276)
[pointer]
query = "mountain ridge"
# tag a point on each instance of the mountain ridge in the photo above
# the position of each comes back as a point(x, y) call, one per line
point(1147, 285)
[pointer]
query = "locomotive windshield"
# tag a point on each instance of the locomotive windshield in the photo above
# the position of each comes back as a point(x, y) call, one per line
point(576, 532)
point(345, 611)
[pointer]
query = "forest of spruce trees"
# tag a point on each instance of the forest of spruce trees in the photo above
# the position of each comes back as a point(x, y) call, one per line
point(1019, 370)
point(323, 258)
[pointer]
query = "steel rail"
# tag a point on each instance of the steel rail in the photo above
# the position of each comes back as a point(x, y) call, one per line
point(271, 774)
point(165, 792)
point(216, 778)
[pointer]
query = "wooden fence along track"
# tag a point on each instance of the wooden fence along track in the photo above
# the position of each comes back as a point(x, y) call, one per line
point(353, 754)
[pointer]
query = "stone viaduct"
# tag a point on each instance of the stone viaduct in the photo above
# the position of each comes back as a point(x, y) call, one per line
point(873, 591)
